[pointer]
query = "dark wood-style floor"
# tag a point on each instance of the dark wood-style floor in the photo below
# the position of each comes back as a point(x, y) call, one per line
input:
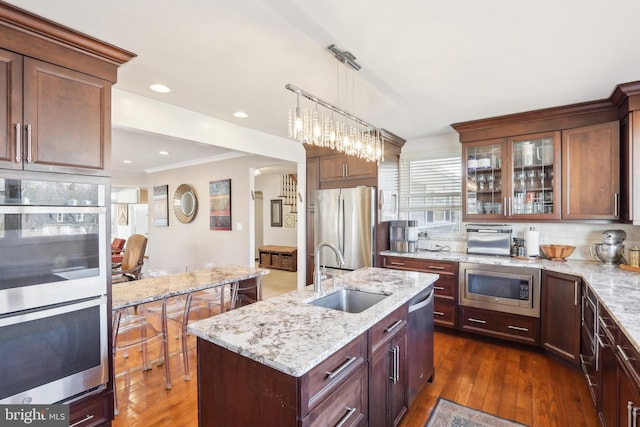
point(511, 382)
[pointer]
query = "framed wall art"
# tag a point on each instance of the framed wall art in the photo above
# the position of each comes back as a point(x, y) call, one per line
point(123, 214)
point(220, 205)
point(161, 206)
point(276, 213)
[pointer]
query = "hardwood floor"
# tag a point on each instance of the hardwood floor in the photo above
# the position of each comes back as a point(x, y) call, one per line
point(510, 382)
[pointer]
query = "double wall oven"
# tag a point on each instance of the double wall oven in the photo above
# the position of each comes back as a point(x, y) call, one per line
point(53, 287)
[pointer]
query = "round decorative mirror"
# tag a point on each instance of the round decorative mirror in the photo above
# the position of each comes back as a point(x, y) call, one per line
point(185, 203)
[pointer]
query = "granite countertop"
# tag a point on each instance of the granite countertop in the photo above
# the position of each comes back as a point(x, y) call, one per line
point(127, 294)
point(292, 336)
point(618, 290)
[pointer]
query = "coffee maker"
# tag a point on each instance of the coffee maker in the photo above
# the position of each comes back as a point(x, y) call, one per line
point(610, 250)
point(403, 236)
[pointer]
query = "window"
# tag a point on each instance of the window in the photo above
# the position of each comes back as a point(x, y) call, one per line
point(431, 192)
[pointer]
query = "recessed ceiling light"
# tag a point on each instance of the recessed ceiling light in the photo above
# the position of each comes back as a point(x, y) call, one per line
point(160, 88)
point(163, 153)
point(127, 162)
point(240, 114)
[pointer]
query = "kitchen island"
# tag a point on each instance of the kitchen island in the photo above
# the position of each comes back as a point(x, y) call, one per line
point(277, 352)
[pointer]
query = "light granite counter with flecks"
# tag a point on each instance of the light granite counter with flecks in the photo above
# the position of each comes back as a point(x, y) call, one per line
point(127, 294)
point(292, 336)
point(618, 290)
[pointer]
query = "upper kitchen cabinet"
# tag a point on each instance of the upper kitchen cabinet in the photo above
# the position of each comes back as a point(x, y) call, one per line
point(340, 170)
point(627, 97)
point(517, 167)
point(512, 177)
point(55, 96)
point(591, 172)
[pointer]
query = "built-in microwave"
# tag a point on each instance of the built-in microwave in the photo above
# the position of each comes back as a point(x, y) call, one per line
point(508, 289)
point(52, 240)
point(54, 354)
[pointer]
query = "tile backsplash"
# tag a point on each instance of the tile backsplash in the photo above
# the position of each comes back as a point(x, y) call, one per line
point(582, 236)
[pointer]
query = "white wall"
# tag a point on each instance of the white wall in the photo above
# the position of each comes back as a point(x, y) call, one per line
point(182, 244)
point(284, 236)
point(580, 235)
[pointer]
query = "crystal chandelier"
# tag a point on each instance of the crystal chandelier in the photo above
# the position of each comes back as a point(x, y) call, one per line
point(322, 124)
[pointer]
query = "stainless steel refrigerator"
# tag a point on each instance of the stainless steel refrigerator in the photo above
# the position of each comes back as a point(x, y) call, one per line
point(346, 217)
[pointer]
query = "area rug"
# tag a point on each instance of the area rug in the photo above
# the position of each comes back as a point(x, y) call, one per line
point(450, 414)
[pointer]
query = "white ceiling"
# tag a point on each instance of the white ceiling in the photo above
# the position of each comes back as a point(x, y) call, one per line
point(425, 64)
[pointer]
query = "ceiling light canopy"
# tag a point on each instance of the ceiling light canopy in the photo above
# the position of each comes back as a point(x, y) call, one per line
point(160, 88)
point(240, 114)
point(163, 153)
point(322, 124)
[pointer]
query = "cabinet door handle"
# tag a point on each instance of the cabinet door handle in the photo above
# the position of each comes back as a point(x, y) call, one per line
point(438, 288)
point(395, 374)
point(616, 198)
point(505, 205)
point(438, 313)
point(343, 420)
point(471, 319)
point(636, 412)
point(87, 418)
point(395, 325)
point(397, 263)
point(18, 143)
point(575, 293)
point(518, 328)
point(435, 267)
point(28, 143)
point(332, 374)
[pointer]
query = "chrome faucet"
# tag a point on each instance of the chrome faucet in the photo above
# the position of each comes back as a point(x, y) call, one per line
point(318, 275)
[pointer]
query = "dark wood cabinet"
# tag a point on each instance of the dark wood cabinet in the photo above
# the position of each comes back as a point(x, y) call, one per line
point(93, 411)
point(388, 386)
point(591, 172)
point(58, 120)
point(313, 183)
point(604, 383)
point(343, 168)
point(496, 324)
point(560, 304)
point(445, 311)
point(247, 392)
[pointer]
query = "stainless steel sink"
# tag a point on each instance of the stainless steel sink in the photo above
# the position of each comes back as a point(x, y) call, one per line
point(349, 300)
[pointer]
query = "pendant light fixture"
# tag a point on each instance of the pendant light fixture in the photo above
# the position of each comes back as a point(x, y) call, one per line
point(322, 124)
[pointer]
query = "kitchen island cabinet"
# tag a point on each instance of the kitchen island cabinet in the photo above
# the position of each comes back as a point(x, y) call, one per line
point(301, 364)
point(560, 304)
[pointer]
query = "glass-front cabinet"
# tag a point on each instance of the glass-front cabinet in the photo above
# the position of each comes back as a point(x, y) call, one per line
point(515, 177)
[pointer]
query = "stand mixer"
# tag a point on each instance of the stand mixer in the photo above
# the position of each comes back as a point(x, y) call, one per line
point(610, 250)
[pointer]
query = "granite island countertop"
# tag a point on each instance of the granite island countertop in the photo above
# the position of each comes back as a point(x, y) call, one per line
point(292, 336)
point(618, 290)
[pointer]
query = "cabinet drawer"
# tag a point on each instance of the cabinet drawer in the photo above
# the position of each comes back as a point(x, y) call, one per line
point(387, 328)
point(630, 360)
point(444, 313)
point(91, 412)
point(429, 266)
point(329, 374)
point(446, 287)
point(501, 325)
point(346, 405)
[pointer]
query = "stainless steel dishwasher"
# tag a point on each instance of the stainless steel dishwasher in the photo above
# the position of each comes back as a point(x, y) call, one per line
point(420, 342)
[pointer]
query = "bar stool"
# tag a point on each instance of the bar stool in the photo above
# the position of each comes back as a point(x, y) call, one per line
point(237, 294)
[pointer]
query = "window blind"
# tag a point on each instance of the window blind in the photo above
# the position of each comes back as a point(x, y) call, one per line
point(431, 184)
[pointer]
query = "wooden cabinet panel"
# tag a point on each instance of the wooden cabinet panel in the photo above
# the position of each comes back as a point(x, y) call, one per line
point(69, 114)
point(346, 406)
point(605, 384)
point(92, 411)
point(591, 172)
point(322, 380)
point(10, 107)
point(340, 167)
point(445, 313)
point(500, 325)
point(445, 288)
point(313, 184)
point(388, 387)
point(560, 305)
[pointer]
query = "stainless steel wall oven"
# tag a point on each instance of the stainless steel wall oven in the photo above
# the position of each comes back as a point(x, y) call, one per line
point(508, 289)
point(53, 287)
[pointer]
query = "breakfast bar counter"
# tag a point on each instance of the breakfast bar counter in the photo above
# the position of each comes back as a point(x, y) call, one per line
point(292, 336)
